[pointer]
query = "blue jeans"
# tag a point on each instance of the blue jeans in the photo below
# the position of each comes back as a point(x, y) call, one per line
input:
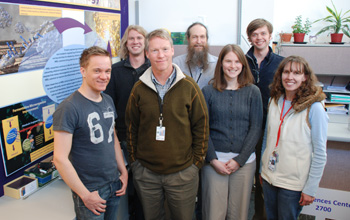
point(281, 204)
point(107, 192)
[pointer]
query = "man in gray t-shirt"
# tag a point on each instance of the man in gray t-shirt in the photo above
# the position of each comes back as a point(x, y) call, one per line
point(87, 153)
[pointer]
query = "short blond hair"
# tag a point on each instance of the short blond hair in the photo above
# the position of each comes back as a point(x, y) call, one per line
point(161, 33)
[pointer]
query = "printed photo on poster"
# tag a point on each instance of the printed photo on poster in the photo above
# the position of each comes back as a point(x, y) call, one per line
point(28, 37)
point(110, 4)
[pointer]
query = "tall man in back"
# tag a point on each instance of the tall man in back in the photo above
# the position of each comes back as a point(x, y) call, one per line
point(197, 62)
point(167, 133)
point(200, 65)
point(263, 64)
point(124, 75)
point(87, 153)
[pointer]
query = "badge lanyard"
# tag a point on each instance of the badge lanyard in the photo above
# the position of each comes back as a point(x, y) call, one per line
point(160, 102)
point(200, 74)
point(160, 130)
point(281, 122)
point(275, 157)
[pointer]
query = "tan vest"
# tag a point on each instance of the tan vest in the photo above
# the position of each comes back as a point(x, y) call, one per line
point(294, 148)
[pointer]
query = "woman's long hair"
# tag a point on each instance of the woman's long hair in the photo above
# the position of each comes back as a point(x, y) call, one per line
point(308, 87)
point(244, 78)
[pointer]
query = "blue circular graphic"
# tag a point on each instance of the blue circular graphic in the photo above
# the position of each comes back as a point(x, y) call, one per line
point(61, 76)
point(48, 122)
point(11, 136)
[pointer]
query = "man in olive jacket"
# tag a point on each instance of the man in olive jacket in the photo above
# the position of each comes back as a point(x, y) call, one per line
point(167, 133)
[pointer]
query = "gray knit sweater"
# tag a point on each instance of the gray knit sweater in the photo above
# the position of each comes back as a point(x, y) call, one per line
point(235, 121)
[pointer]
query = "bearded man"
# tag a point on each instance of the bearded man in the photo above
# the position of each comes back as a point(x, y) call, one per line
point(197, 62)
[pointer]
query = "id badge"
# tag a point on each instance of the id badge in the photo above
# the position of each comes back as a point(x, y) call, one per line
point(272, 163)
point(276, 155)
point(160, 133)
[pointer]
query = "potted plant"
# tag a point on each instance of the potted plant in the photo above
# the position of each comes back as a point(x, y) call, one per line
point(285, 37)
point(338, 23)
point(299, 30)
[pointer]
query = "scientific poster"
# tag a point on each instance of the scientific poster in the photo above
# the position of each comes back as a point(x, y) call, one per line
point(40, 49)
point(110, 4)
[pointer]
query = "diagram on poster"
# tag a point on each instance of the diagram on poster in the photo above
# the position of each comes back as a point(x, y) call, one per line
point(48, 121)
point(12, 138)
point(26, 132)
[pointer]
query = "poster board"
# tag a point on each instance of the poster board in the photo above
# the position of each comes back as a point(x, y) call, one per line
point(40, 48)
point(111, 4)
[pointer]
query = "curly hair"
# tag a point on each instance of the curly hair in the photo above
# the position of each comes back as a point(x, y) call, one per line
point(244, 78)
point(308, 87)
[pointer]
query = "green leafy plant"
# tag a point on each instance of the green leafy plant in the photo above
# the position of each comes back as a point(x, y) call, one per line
point(298, 26)
point(338, 21)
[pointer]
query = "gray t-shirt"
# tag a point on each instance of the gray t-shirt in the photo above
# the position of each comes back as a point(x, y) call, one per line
point(92, 126)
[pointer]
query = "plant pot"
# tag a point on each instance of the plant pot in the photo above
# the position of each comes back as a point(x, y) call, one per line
point(299, 37)
point(286, 37)
point(336, 38)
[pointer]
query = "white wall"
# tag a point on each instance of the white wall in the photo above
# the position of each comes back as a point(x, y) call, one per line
point(221, 16)
point(252, 9)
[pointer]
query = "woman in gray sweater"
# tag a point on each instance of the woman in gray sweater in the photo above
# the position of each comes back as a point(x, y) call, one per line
point(235, 122)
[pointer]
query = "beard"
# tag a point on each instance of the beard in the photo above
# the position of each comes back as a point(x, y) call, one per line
point(198, 58)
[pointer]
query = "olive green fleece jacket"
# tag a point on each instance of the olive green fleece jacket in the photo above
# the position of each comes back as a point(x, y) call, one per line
point(185, 118)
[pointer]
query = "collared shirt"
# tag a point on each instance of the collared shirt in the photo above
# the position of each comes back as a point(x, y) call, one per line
point(163, 89)
point(264, 61)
